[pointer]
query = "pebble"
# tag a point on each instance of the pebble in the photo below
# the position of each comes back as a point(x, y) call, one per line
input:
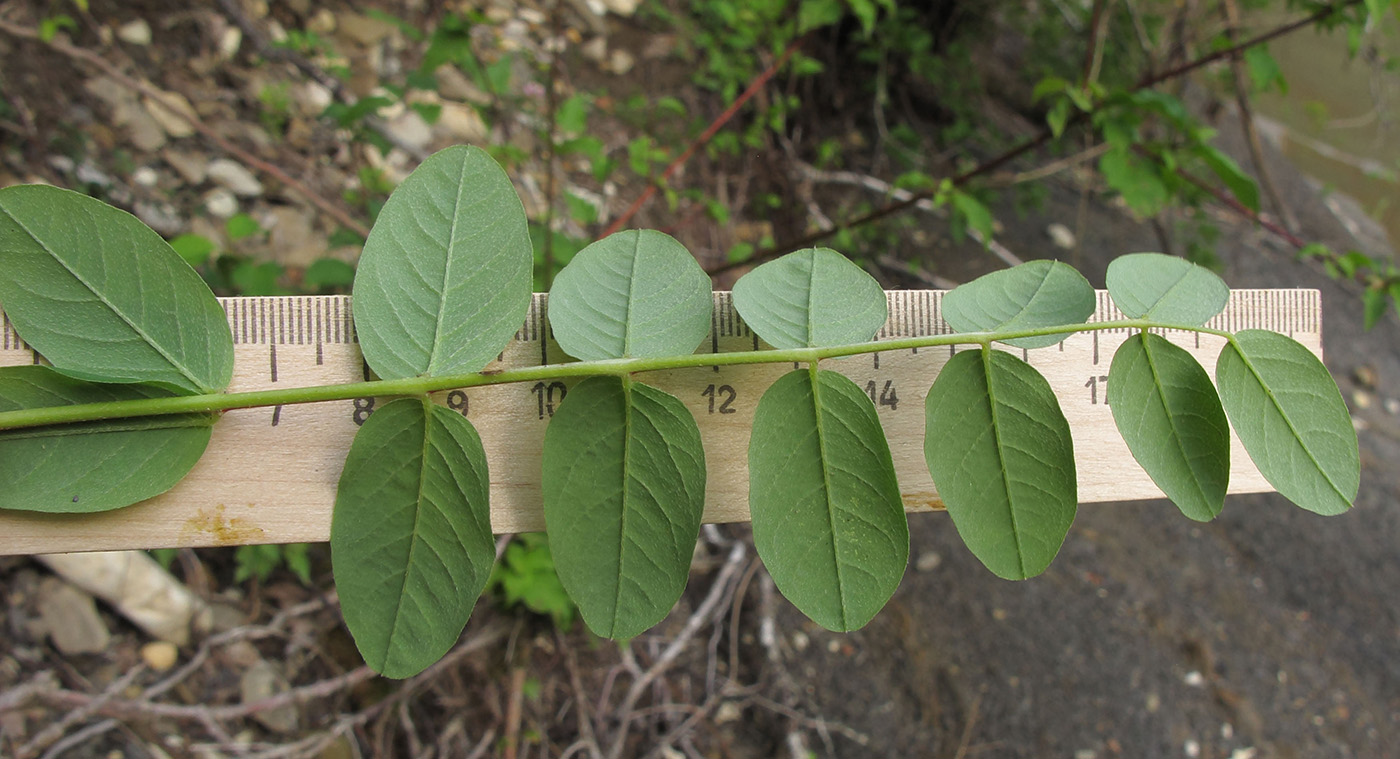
point(70, 617)
point(136, 32)
point(461, 123)
point(621, 62)
point(410, 130)
point(233, 176)
point(1060, 235)
point(1194, 679)
point(229, 42)
point(173, 113)
point(220, 203)
point(190, 166)
point(928, 561)
point(145, 177)
point(160, 655)
point(1392, 406)
point(261, 681)
point(1191, 748)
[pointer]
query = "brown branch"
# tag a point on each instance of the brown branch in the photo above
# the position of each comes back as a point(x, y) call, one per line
point(93, 59)
point(128, 708)
point(1256, 149)
point(705, 136)
point(1040, 138)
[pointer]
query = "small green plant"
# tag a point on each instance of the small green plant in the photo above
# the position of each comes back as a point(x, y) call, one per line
point(442, 287)
point(260, 561)
point(525, 576)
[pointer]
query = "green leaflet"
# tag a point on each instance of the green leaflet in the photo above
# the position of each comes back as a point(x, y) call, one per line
point(624, 491)
point(90, 466)
point(828, 519)
point(1291, 418)
point(444, 279)
point(811, 297)
point(1166, 289)
point(1241, 185)
point(635, 294)
point(411, 534)
point(999, 450)
point(1029, 296)
point(1168, 412)
point(103, 297)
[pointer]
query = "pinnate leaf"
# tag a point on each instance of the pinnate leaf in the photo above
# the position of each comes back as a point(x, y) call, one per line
point(444, 279)
point(1170, 416)
point(828, 519)
point(634, 294)
point(1290, 416)
point(103, 297)
point(1032, 295)
point(1000, 453)
point(1165, 289)
point(90, 466)
point(810, 298)
point(411, 534)
point(624, 491)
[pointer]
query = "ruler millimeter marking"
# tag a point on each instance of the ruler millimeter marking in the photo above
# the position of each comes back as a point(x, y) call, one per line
point(269, 474)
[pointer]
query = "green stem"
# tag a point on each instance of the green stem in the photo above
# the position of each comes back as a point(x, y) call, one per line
point(217, 402)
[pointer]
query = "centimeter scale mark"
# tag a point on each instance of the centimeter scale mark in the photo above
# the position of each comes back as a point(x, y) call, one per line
point(326, 320)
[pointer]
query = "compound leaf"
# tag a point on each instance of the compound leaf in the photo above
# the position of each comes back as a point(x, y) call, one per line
point(999, 450)
point(828, 519)
point(1291, 418)
point(635, 294)
point(104, 298)
point(1032, 295)
point(810, 298)
point(1170, 416)
point(444, 280)
point(624, 491)
point(411, 534)
point(1165, 289)
point(91, 466)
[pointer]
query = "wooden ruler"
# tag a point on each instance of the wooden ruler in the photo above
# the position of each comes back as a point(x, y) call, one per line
point(269, 475)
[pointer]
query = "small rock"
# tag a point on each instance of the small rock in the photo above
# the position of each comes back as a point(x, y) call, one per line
point(145, 132)
point(234, 177)
point(1086, 753)
point(928, 561)
point(160, 655)
point(461, 123)
point(620, 7)
point(88, 173)
point(1194, 679)
point(311, 98)
point(173, 113)
point(1248, 752)
point(1392, 406)
point(229, 42)
point(1060, 235)
point(595, 50)
point(136, 32)
point(162, 217)
point(145, 177)
point(1192, 748)
point(1154, 702)
point(220, 203)
point(70, 617)
point(1365, 376)
point(1361, 399)
point(410, 130)
point(363, 29)
point(728, 711)
point(190, 166)
point(261, 681)
point(621, 62)
point(293, 239)
point(800, 641)
point(322, 23)
point(454, 85)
